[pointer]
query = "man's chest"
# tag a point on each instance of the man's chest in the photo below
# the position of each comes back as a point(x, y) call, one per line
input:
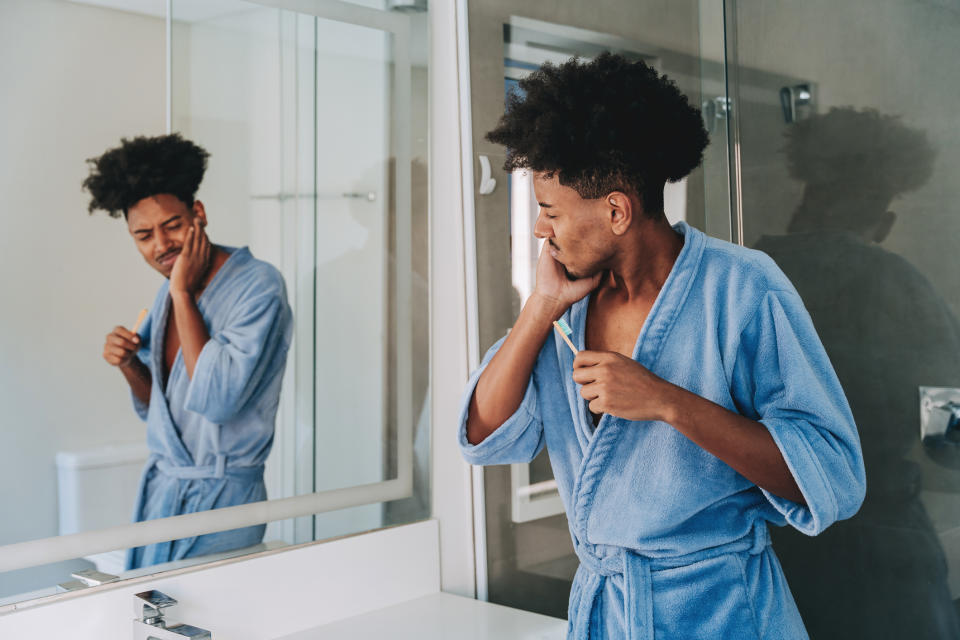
point(611, 328)
point(171, 344)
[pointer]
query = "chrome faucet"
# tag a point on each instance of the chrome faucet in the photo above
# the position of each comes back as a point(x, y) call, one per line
point(150, 624)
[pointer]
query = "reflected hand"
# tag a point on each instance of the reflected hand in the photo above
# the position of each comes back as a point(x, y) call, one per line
point(620, 386)
point(193, 262)
point(121, 347)
point(554, 285)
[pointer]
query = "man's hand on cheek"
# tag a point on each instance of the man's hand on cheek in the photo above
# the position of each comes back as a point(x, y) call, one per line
point(193, 262)
point(620, 386)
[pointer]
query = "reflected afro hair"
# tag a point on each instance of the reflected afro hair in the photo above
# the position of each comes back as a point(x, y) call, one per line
point(859, 151)
point(144, 167)
point(605, 125)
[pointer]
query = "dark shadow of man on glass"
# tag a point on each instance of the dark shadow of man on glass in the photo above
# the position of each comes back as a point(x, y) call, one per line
point(883, 573)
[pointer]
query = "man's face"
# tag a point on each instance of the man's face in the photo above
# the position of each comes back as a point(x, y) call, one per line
point(576, 230)
point(159, 227)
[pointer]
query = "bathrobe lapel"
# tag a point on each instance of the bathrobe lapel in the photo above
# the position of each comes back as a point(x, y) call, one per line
point(598, 444)
point(167, 437)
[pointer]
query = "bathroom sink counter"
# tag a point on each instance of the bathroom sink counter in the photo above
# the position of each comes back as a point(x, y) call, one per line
point(441, 616)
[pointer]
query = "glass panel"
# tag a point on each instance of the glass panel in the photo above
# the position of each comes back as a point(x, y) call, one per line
point(315, 117)
point(849, 143)
point(353, 85)
point(530, 558)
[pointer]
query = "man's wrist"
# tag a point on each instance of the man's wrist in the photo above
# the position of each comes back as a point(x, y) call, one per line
point(545, 306)
point(181, 295)
point(132, 367)
point(674, 398)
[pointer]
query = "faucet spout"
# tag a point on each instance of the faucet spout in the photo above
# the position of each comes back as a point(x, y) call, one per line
point(150, 623)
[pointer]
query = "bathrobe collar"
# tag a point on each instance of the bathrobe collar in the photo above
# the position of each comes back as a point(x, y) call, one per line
point(652, 334)
point(597, 444)
point(170, 438)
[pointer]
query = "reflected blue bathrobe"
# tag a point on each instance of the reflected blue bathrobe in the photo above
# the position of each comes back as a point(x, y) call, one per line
point(673, 543)
point(209, 436)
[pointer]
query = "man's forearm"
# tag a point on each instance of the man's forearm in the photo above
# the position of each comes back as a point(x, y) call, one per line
point(139, 378)
point(190, 327)
point(744, 444)
point(503, 383)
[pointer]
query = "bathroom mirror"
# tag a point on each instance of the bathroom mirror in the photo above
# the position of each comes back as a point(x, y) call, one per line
point(314, 115)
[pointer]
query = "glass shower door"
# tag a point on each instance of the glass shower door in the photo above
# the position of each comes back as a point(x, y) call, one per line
point(848, 140)
point(529, 560)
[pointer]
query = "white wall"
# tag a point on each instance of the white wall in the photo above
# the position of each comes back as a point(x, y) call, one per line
point(73, 80)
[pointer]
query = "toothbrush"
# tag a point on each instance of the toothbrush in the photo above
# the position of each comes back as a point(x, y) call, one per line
point(143, 314)
point(565, 332)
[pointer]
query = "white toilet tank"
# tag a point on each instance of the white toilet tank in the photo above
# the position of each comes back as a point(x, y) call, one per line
point(97, 488)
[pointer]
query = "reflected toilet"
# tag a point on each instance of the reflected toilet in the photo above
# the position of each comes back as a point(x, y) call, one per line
point(97, 488)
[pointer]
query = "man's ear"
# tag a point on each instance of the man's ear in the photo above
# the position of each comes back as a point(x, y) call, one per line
point(621, 211)
point(200, 212)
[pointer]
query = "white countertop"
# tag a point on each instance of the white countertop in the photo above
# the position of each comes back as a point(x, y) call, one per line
point(441, 616)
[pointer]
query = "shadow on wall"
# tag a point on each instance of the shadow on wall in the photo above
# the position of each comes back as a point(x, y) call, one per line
point(882, 573)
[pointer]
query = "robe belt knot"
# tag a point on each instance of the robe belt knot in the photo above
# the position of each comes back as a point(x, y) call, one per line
point(218, 470)
point(636, 569)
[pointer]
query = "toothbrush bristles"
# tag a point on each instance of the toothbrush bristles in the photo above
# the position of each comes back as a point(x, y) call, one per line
point(565, 332)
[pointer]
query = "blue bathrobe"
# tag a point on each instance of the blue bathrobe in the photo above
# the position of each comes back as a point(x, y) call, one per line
point(209, 435)
point(673, 543)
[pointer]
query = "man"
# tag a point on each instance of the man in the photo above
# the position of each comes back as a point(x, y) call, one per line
point(206, 366)
point(701, 405)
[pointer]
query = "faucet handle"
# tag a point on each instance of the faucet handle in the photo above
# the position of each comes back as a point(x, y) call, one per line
point(149, 605)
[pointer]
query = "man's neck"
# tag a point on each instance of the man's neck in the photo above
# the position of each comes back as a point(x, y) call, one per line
point(641, 269)
point(217, 259)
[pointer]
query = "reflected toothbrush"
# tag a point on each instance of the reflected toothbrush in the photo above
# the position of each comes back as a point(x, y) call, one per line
point(565, 332)
point(136, 326)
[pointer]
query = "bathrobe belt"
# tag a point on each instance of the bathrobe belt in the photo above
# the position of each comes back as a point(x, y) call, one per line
point(218, 470)
point(636, 569)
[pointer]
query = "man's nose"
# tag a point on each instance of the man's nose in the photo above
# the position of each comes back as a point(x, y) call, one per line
point(542, 228)
point(162, 240)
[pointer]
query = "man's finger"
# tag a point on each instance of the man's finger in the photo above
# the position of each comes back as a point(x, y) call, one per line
point(122, 343)
point(118, 354)
point(584, 375)
point(588, 359)
point(123, 331)
point(188, 243)
point(117, 339)
point(589, 392)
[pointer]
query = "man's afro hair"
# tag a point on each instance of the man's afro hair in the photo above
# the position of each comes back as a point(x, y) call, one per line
point(605, 125)
point(144, 167)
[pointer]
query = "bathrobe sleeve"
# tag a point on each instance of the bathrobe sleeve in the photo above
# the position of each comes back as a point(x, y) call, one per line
point(519, 439)
point(784, 378)
point(241, 354)
point(143, 354)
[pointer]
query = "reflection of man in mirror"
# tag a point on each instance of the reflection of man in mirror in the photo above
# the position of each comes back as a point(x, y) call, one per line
point(881, 574)
point(701, 405)
point(206, 366)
